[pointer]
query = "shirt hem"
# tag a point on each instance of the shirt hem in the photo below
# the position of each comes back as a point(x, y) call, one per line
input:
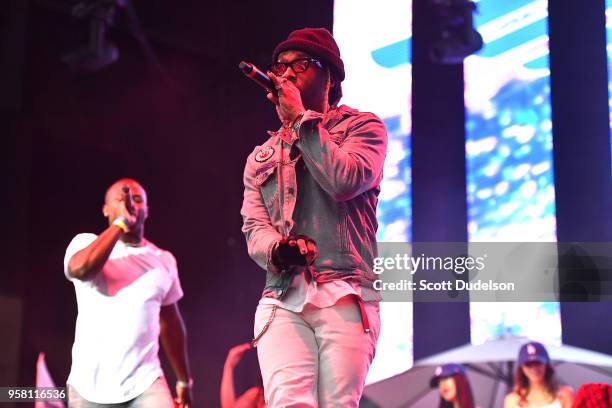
point(98, 399)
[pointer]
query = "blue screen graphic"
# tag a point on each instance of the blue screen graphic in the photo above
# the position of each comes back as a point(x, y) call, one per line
point(379, 80)
point(609, 51)
point(509, 143)
point(510, 186)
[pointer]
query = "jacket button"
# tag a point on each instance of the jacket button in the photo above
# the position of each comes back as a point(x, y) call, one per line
point(291, 190)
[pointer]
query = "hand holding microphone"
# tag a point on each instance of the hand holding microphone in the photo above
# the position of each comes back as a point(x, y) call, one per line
point(128, 198)
point(281, 92)
point(127, 219)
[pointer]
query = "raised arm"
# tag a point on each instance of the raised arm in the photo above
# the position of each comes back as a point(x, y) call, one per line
point(89, 261)
point(228, 393)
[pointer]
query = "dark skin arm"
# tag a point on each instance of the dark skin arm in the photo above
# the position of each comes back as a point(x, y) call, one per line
point(173, 336)
point(89, 261)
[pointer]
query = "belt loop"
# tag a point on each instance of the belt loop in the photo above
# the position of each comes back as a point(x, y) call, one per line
point(364, 316)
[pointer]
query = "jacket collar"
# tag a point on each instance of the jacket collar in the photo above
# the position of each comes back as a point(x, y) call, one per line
point(330, 119)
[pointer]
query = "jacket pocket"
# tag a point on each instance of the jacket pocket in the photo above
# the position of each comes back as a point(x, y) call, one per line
point(265, 179)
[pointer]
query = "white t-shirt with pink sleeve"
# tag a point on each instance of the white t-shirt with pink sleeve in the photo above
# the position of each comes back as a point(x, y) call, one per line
point(116, 343)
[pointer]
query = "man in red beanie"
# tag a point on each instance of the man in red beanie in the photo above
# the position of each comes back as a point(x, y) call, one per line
point(309, 211)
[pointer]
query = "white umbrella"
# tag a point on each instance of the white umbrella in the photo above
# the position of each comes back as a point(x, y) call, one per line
point(490, 368)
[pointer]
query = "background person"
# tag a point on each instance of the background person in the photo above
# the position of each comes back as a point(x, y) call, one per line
point(534, 381)
point(453, 386)
point(251, 398)
point(127, 291)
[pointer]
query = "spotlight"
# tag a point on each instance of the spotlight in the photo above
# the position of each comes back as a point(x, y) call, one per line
point(457, 37)
point(99, 52)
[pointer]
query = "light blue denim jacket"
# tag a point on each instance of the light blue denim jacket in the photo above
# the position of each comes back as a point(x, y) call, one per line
point(321, 181)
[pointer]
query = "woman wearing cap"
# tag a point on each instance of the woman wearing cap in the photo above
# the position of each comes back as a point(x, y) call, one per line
point(454, 387)
point(534, 381)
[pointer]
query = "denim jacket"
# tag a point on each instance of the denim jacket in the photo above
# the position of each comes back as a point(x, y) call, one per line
point(321, 180)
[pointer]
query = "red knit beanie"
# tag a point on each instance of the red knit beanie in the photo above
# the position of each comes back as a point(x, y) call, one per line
point(317, 42)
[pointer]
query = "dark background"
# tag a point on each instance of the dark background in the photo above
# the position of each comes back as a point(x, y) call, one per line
point(184, 133)
point(185, 130)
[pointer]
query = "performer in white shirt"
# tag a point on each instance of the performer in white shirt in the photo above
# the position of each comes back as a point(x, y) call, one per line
point(127, 291)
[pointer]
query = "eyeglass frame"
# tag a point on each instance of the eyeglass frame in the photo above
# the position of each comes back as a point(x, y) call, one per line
point(309, 60)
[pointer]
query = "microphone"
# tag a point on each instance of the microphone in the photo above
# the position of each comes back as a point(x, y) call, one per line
point(128, 199)
point(257, 75)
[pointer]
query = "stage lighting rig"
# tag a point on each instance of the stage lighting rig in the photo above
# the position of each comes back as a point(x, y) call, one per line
point(99, 52)
point(457, 38)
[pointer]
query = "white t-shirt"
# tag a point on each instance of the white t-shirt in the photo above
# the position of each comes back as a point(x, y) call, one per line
point(116, 342)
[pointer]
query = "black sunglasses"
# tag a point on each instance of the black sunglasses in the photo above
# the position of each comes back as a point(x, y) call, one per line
point(297, 65)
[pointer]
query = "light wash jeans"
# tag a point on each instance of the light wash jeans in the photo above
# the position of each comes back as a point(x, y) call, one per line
point(318, 357)
point(156, 396)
